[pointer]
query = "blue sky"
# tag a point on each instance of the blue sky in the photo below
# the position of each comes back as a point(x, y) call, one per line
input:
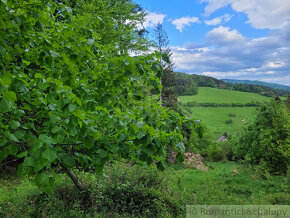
point(236, 39)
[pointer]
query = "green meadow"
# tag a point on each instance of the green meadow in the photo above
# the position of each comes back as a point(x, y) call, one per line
point(218, 119)
point(214, 95)
point(215, 118)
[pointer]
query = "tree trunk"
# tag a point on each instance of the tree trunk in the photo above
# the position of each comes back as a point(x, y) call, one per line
point(87, 198)
point(75, 179)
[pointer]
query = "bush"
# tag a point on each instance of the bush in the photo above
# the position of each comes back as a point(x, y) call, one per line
point(229, 121)
point(199, 143)
point(263, 171)
point(227, 147)
point(135, 191)
point(279, 198)
point(215, 152)
point(232, 115)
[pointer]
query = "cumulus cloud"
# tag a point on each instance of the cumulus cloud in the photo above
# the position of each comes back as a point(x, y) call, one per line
point(153, 18)
point(228, 54)
point(262, 14)
point(218, 20)
point(223, 35)
point(182, 22)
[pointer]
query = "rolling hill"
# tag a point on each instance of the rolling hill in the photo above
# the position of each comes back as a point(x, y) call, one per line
point(256, 82)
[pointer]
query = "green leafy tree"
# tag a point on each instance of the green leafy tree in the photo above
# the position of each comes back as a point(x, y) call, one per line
point(267, 139)
point(70, 94)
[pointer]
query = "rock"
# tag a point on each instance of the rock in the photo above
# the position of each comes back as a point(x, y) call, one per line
point(223, 137)
point(234, 172)
point(190, 159)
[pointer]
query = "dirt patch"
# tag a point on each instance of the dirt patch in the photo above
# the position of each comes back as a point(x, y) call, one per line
point(190, 159)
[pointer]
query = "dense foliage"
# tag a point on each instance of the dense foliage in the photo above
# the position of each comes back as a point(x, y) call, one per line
point(70, 93)
point(267, 140)
point(185, 84)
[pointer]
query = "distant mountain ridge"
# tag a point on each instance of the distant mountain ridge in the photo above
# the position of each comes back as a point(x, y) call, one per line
point(256, 82)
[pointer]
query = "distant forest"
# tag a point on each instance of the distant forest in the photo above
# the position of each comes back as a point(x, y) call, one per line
point(187, 84)
point(259, 83)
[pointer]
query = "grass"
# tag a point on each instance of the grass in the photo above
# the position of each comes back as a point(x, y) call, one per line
point(219, 186)
point(176, 187)
point(215, 118)
point(214, 95)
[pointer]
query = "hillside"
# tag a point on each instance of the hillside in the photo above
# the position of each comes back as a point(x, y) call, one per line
point(206, 81)
point(214, 95)
point(218, 119)
point(256, 82)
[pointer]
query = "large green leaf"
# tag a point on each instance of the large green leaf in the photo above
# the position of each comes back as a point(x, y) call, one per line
point(49, 154)
point(4, 105)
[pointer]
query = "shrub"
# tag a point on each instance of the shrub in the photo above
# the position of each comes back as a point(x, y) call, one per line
point(279, 198)
point(215, 152)
point(232, 115)
point(227, 147)
point(229, 121)
point(135, 191)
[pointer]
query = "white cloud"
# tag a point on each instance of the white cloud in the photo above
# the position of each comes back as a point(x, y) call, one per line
point(277, 64)
point(277, 80)
point(228, 54)
point(225, 18)
point(214, 5)
point(153, 18)
point(262, 14)
point(222, 75)
point(223, 35)
point(182, 22)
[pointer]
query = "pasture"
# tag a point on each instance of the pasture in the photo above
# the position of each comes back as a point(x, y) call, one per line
point(214, 95)
point(218, 119)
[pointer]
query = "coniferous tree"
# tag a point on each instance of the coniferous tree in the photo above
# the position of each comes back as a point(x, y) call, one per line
point(168, 80)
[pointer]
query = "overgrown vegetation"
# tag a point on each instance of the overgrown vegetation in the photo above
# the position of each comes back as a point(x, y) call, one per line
point(126, 191)
point(267, 140)
point(122, 190)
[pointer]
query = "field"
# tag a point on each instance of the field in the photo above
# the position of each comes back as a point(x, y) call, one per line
point(215, 118)
point(213, 95)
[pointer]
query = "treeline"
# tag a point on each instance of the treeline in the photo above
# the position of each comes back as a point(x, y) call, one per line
point(206, 81)
point(185, 84)
point(209, 104)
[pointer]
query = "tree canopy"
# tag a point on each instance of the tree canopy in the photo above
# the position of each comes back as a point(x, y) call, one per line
point(70, 93)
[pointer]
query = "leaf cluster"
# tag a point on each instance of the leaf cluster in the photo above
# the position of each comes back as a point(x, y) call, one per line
point(70, 92)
